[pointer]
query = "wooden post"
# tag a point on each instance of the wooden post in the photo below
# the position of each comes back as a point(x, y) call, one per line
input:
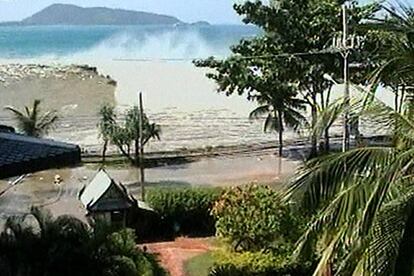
point(141, 147)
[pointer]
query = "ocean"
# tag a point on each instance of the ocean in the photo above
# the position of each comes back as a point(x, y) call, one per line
point(132, 42)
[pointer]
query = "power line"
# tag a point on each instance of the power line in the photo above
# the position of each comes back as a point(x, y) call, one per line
point(327, 51)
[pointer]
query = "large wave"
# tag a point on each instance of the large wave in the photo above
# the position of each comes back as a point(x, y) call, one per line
point(135, 42)
point(168, 45)
point(172, 44)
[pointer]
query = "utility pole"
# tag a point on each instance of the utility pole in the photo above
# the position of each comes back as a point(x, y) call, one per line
point(345, 44)
point(141, 147)
point(345, 55)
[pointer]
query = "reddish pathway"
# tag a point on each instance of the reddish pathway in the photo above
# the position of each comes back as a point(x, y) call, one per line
point(173, 255)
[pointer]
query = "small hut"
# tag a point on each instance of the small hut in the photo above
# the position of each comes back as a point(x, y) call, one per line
point(105, 199)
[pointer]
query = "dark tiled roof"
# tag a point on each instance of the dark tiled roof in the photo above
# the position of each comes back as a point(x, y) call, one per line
point(21, 154)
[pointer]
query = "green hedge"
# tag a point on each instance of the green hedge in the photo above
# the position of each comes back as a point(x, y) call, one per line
point(231, 270)
point(184, 211)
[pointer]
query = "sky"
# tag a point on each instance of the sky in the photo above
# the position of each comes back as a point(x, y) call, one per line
point(214, 11)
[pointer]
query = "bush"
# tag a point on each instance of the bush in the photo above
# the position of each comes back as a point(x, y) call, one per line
point(232, 270)
point(184, 211)
point(254, 218)
point(259, 263)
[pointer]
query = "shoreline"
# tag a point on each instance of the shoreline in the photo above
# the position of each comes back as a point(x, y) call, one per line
point(211, 120)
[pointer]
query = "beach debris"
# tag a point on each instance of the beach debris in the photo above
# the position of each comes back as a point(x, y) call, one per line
point(112, 82)
point(58, 179)
point(15, 72)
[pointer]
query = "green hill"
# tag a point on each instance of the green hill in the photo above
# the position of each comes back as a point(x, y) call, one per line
point(63, 14)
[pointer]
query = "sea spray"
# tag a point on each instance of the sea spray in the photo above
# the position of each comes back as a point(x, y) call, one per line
point(60, 42)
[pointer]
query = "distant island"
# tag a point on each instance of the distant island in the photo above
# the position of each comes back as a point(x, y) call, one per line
point(65, 14)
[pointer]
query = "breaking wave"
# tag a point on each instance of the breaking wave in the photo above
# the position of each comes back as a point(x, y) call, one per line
point(173, 44)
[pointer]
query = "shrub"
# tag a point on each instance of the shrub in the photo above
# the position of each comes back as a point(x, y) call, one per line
point(184, 211)
point(257, 264)
point(254, 261)
point(231, 270)
point(254, 218)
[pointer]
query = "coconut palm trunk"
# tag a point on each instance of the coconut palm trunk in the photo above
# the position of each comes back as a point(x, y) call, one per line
point(327, 140)
point(279, 117)
point(314, 139)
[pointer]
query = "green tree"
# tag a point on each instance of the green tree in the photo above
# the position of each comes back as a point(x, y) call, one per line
point(127, 135)
point(105, 126)
point(294, 45)
point(31, 122)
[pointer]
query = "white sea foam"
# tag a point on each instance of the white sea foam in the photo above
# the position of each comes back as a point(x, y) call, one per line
point(172, 44)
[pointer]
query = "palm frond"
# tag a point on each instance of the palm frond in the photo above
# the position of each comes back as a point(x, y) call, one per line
point(386, 236)
point(33, 123)
point(259, 112)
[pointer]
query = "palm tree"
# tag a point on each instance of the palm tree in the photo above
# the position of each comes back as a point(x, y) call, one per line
point(106, 126)
point(31, 122)
point(282, 109)
point(363, 201)
point(44, 245)
point(126, 135)
point(396, 56)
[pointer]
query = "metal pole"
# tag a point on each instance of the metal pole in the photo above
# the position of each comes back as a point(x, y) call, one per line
point(346, 130)
point(141, 147)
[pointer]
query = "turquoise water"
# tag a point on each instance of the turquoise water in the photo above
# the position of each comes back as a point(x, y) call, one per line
point(120, 41)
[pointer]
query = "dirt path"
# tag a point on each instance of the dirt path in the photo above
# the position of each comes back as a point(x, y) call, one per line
point(173, 255)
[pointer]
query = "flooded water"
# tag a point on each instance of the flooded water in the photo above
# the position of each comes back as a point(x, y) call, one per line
point(39, 189)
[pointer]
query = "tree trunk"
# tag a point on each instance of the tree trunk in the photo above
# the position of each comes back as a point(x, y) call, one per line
point(401, 100)
point(325, 104)
point(126, 154)
point(280, 132)
point(104, 149)
point(314, 139)
point(326, 140)
point(396, 99)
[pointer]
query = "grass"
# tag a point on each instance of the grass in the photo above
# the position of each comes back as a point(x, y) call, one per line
point(199, 265)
